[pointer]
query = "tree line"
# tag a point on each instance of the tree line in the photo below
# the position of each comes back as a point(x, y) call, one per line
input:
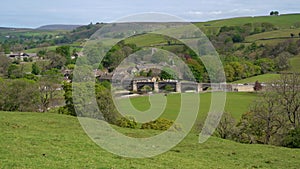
point(273, 117)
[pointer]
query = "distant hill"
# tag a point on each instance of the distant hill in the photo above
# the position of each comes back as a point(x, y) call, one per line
point(282, 21)
point(58, 27)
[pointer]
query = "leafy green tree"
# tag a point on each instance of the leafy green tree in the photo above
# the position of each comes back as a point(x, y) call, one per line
point(69, 107)
point(35, 69)
point(56, 60)
point(266, 65)
point(229, 72)
point(236, 38)
point(48, 84)
point(108, 111)
point(196, 68)
point(65, 51)
point(169, 88)
point(4, 64)
point(146, 89)
point(18, 95)
point(106, 105)
point(149, 74)
point(292, 140)
point(15, 71)
point(168, 74)
point(282, 61)
point(250, 69)
point(238, 70)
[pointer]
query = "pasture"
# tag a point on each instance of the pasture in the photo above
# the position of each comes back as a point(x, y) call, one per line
point(36, 140)
point(265, 78)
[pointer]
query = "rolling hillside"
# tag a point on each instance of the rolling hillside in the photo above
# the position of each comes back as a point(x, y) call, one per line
point(39, 140)
point(284, 21)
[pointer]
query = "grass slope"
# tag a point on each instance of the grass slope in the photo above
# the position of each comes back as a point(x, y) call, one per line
point(261, 78)
point(36, 140)
point(295, 63)
point(282, 21)
point(283, 33)
point(236, 104)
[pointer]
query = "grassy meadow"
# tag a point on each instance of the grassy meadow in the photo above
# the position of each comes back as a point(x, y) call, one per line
point(295, 64)
point(48, 140)
point(33, 140)
point(45, 140)
point(261, 78)
point(236, 104)
point(282, 21)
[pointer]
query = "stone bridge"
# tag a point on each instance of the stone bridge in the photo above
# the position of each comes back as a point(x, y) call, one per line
point(184, 86)
point(181, 87)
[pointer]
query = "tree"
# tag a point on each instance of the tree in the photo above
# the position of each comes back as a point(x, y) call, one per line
point(226, 126)
point(237, 38)
point(35, 69)
point(292, 140)
point(65, 52)
point(4, 64)
point(146, 89)
point(266, 65)
point(69, 107)
point(169, 88)
point(267, 112)
point(288, 90)
point(282, 61)
point(18, 95)
point(272, 13)
point(108, 111)
point(106, 105)
point(229, 72)
point(196, 68)
point(56, 60)
point(257, 86)
point(48, 85)
point(238, 70)
point(168, 74)
point(15, 71)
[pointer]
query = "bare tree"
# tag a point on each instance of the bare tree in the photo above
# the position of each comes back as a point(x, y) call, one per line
point(288, 90)
point(267, 112)
point(226, 126)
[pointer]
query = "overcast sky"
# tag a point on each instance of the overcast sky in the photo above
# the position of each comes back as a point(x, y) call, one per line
point(34, 13)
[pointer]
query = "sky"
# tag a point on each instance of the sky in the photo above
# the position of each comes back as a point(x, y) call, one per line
point(35, 13)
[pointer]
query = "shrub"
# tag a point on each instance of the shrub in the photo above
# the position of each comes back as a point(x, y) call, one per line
point(292, 140)
point(65, 110)
point(127, 122)
point(226, 126)
point(160, 124)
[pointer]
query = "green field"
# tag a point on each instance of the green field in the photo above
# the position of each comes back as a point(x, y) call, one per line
point(295, 64)
point(147, 40)
point(236, 104)
point(284, 33)
point(282, 21)
point(44, 140)
point(261, 78)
